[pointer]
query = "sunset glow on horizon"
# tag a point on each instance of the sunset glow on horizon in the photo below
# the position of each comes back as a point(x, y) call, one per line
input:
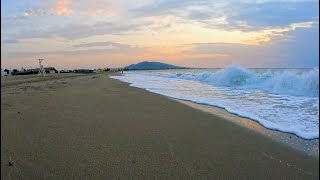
point(191, 33)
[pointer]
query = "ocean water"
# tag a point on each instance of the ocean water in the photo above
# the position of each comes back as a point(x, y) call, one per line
point(285, 100)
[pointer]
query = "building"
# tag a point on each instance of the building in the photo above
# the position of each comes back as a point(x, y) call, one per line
point(3, 73)
point(51, 70)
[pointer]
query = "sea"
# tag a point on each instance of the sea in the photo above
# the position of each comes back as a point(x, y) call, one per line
point(285, 100)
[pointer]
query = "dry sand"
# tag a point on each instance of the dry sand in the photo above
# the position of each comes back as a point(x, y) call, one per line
point(94, 127)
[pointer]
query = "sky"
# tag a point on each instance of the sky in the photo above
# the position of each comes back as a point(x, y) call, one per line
point(70, 34)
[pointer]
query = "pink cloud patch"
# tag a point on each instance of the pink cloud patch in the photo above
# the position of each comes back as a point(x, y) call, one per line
point(62, 8)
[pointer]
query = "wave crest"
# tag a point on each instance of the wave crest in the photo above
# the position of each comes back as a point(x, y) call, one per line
point(285, 81)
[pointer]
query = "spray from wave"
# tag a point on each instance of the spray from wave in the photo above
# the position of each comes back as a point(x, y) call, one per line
point(288, 81)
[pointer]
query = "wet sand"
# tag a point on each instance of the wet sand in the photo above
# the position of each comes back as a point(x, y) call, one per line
point(307, 146)
point(94, 127)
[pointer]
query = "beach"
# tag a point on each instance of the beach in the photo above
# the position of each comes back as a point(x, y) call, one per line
point(71, 126)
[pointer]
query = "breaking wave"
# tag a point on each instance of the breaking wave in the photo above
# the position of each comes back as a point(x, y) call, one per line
point(288, 81)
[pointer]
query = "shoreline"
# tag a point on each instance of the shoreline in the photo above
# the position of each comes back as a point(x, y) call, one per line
point(306, 146)
point(279, 109)
point(95, 127)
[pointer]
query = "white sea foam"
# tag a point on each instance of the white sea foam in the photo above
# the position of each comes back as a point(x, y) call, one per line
point(284, 81)
point(281, 99)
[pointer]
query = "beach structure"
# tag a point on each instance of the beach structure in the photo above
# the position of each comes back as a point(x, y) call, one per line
point(10, 72)
point(48, 70)
point(51, 70)
point(6, 72)
point(84, 71)
point(41, 69)
point(65, 71)
point(3, 73)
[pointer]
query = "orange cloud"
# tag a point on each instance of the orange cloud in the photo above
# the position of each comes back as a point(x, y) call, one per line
point(110, 12)
point(62, 8)
point(177, 53)
point(265, 36)
point(26, 14)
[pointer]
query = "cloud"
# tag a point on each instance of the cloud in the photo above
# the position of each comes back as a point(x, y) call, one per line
point(68, 7)
point(99, 12)
point(76, 31)
point(10, 41)
point(103, 44)
point(62, 7)
point(300, 50)
point(251, 29)
point(180, 55)
point(36, 11)
point(269, 34)
point(164, 7)
point(245, 16)
point(98, 48)
point(26, 14)
point(242, 54)
point(273, 13)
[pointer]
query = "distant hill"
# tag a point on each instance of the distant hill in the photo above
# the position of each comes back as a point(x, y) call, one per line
point(151, 66)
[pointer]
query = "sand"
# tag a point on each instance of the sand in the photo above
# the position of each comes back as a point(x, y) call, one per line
point(94, 127)
point(307, 146)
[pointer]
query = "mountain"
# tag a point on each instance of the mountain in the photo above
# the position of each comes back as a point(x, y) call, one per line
point(145, 65)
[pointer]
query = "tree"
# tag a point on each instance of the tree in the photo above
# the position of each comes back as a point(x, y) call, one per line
point(14, 72)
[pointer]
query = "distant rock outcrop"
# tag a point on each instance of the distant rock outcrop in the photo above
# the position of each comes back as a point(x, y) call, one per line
point(151, 66)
